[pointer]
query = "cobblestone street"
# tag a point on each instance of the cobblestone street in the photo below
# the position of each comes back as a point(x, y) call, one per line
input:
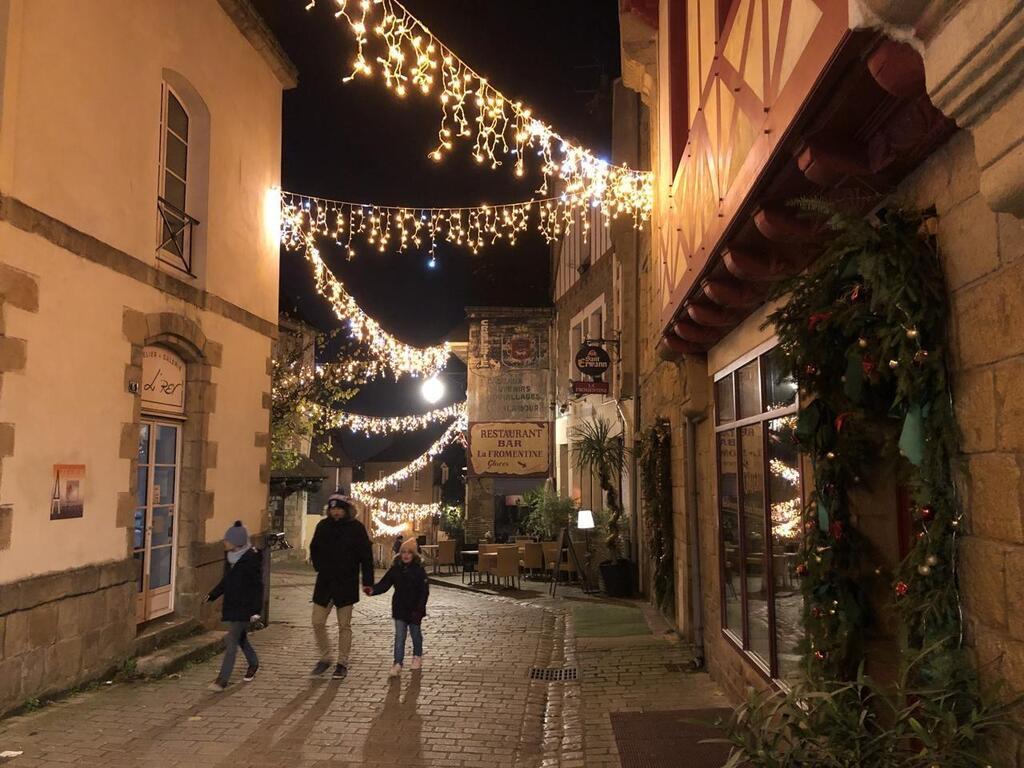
point(473, 705)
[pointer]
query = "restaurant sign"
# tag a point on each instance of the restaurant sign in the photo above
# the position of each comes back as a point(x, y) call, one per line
point(163, 381)
point(510, 449)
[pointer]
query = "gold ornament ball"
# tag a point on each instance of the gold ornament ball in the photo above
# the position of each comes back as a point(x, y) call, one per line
point(894, 364)
point(862, 343)
point(830, 455)
point(924, 570)
point(932, 560)
point(912, 333)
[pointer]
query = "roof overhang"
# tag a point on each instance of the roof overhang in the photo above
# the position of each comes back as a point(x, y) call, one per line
point(260, 36)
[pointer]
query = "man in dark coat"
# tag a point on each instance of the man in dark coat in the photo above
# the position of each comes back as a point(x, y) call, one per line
point(340, 550)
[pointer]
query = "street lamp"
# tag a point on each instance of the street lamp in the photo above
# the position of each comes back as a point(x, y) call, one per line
point(585, 523)
point(432, 390)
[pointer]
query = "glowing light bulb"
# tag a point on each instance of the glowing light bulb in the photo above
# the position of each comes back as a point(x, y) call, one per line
point(432, 390)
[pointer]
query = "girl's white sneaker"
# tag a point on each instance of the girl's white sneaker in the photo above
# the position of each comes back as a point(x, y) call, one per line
point(417, 662)
point(396, 670)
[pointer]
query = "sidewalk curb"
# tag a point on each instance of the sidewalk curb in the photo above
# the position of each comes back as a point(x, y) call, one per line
point(176, 655)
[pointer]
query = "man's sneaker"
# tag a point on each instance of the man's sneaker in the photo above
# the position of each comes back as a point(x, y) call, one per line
point(396, 670)
point(417, 662)
point(250, 673)
point(340, 672)
point(218, 685)
point(320, 668)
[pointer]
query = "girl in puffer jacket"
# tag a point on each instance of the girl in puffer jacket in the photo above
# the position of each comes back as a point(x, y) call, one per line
point(408, 604)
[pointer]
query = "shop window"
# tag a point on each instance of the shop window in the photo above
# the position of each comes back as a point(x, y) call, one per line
point(760, 496)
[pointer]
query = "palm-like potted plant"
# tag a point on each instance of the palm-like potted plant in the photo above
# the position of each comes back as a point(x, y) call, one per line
point(595, 448)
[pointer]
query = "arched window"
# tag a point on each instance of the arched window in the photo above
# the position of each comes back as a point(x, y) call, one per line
point(182, 190)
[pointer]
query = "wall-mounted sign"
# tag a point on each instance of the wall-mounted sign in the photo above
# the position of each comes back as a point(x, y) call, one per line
point(67, 499)
point(509, 369)
point(163, 381)
point(510, 448)
point(593, 361)
point(589, 387)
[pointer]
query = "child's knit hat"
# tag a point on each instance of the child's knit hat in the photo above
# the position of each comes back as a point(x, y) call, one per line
point(237, 535)
point(411, 545)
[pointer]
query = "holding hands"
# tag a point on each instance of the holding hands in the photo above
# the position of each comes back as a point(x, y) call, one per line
point(367, 590)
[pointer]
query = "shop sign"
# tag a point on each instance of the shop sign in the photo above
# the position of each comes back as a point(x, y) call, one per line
point(163, 381)
point(593, 361)
point(510, 448)
point(589, 387)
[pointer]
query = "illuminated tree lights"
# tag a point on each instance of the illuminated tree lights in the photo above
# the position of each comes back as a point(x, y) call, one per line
point(472, 109)
point(389, 353)
point(373, 425)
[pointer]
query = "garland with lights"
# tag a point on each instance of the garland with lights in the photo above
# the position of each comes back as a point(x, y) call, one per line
point(656, 486)
point(865, 334)
point(370, 488)
point(387, 425)
point(387, 352)
point(410, 57)
point(381, 226)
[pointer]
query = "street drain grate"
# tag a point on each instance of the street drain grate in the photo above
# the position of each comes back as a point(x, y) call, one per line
point(553, 675)
point(675, 667)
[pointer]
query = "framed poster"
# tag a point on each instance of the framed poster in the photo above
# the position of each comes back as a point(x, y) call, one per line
point(68, 496)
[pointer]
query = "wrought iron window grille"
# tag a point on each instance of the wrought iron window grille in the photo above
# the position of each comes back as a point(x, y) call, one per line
point(176, 226)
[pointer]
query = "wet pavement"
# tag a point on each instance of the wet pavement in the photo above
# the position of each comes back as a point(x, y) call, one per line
point(473, 704)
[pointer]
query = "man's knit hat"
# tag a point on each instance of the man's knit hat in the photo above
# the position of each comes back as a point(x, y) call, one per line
point(237, 535)
point(339, 500)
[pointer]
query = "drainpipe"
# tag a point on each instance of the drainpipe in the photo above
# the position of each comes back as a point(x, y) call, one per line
point(691, 420)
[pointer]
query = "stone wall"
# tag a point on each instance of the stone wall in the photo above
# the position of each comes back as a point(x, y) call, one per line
point(982, 254)
point(62, 629)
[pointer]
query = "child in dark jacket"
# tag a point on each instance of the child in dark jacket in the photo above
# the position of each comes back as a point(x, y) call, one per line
point(408, 604)
point(242, 588)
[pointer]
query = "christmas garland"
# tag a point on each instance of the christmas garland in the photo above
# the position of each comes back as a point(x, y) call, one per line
point(656, 485)
point(865, 333)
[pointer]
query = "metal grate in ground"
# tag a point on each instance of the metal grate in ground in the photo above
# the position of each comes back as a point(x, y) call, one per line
point(553, 675)
point(657, 739)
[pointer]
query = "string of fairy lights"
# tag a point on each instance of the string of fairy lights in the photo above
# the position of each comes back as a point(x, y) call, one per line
point(408, 57)
point(388, 425)
point(385, 227)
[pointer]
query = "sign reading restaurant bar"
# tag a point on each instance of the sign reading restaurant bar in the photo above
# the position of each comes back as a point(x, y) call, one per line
point(510, 392)
point(510, 448)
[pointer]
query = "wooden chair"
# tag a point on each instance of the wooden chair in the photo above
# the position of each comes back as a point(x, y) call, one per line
point(533, 557)
point(485, 565)
point(445, 555)
point(508, 565)
point(568, 567)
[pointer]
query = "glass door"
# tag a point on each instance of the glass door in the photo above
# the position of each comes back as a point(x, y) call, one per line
point(156, 508)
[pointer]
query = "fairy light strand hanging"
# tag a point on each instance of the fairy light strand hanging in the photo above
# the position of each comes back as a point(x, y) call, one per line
point(454, 432)
point(388, 353)
point(388, 425)
point(501, 129)
point(384, 227)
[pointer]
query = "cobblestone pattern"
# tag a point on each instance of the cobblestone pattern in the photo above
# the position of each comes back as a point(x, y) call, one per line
point(473, 705)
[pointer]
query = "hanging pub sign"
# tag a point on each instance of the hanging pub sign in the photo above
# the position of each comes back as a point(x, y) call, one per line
point(592, 361)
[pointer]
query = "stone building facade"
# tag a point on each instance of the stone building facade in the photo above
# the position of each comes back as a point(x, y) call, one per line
point(731, 140)
point(138, 286)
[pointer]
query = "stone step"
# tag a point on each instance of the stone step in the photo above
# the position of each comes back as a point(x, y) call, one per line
point(177, 654)
point(163, 632)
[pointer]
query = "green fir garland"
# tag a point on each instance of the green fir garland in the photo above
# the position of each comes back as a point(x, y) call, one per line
point(866, 335)
point(656, 486)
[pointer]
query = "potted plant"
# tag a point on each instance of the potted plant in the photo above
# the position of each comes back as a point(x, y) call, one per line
point(597, 450)
point(549, 513)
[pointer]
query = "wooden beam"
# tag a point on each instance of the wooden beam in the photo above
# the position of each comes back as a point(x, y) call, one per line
point(783, 224)
point(731, 293)
point(671, 347)
point(898, 69)
point(710, 315)
point(749, 265)
point(827, 165)
point(687, 330)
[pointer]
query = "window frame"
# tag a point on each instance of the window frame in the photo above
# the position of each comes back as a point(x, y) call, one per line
point(167, 91)
point(768, 668)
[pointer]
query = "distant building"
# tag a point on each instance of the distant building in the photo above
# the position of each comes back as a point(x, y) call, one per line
point(423, 487)
point(141, 144)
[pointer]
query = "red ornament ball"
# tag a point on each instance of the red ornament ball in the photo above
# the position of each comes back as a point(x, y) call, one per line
point(811, 369)
point(927, 512)
point(836, 529)
point(902, 588)
point(820, 655)
point(801, 569)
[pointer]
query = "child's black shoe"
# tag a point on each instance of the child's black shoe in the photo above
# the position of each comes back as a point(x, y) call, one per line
point(340, 672)
point(320, 668)
point(250, 673)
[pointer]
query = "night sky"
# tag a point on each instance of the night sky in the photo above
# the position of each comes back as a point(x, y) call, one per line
point(357, 141)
